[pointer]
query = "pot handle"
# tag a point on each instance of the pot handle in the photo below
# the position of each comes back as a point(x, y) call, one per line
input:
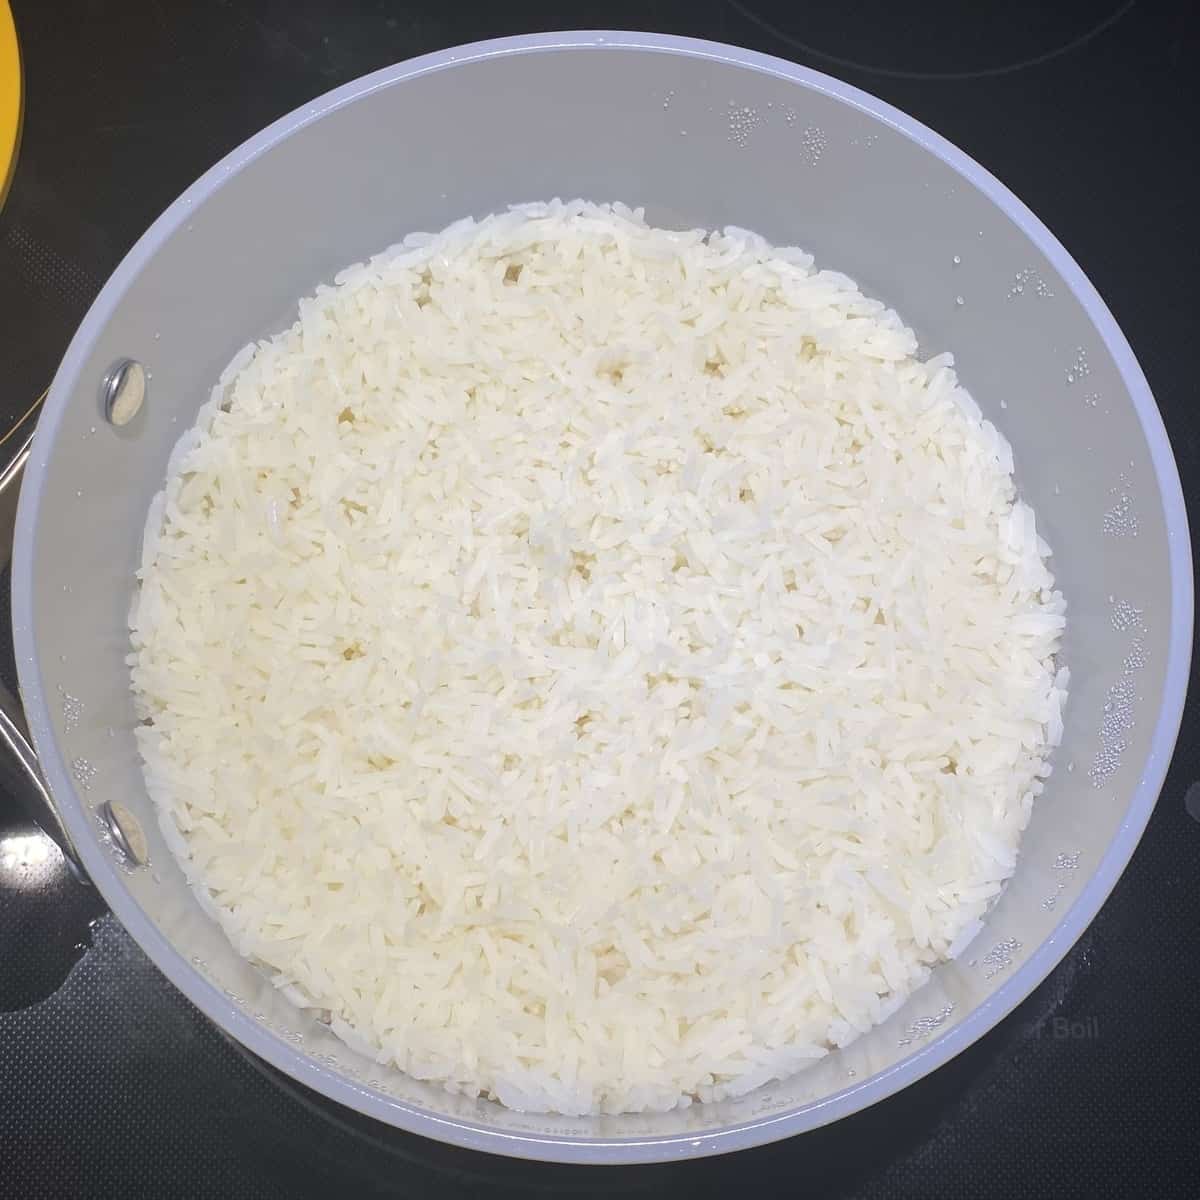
point(19, 767)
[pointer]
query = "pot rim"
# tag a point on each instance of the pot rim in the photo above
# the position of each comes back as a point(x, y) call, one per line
point(564, 1148)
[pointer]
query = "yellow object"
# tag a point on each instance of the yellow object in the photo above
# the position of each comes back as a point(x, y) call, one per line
point(10, 97)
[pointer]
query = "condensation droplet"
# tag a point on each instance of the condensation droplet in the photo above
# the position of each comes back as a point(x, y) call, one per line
point(959, 301)
point(813, 142)
point(1031, 278)
point(922, 1027)
point(1120, 520)
point(1125, 616)
point(958, 260)
point(72, 711)
point(1117, 719)
point(1000, 956)
point(742, 123)
point(84, 772)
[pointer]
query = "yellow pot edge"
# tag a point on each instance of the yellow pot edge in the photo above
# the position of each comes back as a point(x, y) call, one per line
point(10, 97)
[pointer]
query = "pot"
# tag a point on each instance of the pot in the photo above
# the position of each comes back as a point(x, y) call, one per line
point(701, 134)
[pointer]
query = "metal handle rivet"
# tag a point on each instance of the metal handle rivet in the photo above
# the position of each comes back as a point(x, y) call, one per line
point(126, 832)
point(124, 391)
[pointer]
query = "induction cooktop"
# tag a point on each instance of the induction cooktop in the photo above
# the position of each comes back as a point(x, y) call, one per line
point(111, 1084)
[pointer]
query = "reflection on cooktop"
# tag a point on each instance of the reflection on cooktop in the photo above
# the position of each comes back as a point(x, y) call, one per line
point(914, 41)
point(45, 916)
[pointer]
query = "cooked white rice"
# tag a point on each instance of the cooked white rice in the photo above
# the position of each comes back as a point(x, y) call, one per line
point(602, 665)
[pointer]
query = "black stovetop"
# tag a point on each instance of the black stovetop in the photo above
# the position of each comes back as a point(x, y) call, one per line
point(111, 1084)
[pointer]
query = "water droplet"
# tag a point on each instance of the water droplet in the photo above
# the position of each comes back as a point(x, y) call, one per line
point(959, 301)
point(742, 123)
point(72, 711)
point(157, 335)
point(1003, 403)
point(1000, 956)
point(84, 772)
point(1121, 519)
point(1031, 277)
point(813, 141)
point(957, 260)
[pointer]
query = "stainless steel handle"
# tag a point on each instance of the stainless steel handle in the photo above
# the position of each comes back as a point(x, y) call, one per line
point(14, 453)
point(18, 760)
